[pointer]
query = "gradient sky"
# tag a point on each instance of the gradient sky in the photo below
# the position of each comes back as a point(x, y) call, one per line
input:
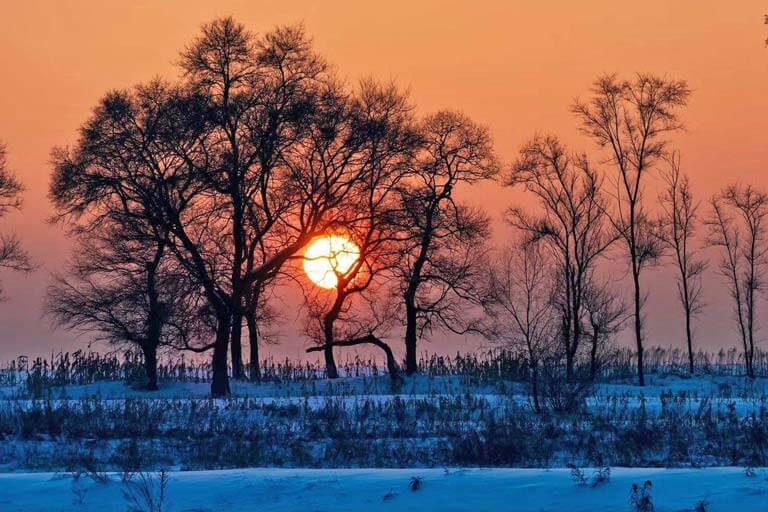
point(512, 65)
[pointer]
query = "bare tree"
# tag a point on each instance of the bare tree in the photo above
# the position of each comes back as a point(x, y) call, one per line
point(443, 239)
point(259, 91)
point(606, 315)
point(676, 229)
point(377, 135)
point(12, 255)
point(123, 288)
point(573, 226)
point(519, 305)
point(631, 118)
point(738, 227)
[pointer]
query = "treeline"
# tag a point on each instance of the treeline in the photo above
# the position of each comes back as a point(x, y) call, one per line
point(192, 201)
point(39, 377)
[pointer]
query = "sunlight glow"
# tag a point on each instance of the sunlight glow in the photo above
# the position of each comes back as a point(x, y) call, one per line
point(328, 255)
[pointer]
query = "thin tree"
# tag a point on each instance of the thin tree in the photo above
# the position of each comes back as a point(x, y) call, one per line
point(606, 315)
point(632, 119)
point(676, 229)
point(443, 239)
point(573, 227)
point(738, 226)
point(12, 255)
point(520, 307)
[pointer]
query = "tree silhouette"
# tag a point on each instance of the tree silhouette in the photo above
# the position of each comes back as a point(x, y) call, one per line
point(676, 229)
point(12, 255)
point(520, 306)
point(444, 241)
point(573, 227)
point(123, 288)
point(738, 226)
point(374, 133)
point(631, 120)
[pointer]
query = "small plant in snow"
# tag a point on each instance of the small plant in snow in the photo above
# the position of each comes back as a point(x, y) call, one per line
point(640, 497)
point(389, 495)
point(601, 476)
point(145, 492)
point(415, 483)
point(750, 472)
point(701, 506)
point(577, 475)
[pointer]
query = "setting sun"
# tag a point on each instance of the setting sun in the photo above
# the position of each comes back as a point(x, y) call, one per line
point(328, 255)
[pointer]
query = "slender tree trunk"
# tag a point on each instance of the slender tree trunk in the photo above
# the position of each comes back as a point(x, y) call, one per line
point(411, 364)
point(535, 387)
point(150, 365)
point(593, 354)
point(220, 382)
point(253, 342)
point(638, 328)
point(689, 339)
point(237, 346)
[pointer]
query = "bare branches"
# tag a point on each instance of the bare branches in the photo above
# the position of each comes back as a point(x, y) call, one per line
point(520, 307)
point(441, 238)
point(12, 255)
point(738, 226)
point(631, 120)
point(573, 227)
point(676, 229)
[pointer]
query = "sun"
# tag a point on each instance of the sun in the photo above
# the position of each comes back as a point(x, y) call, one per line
point(328, 255)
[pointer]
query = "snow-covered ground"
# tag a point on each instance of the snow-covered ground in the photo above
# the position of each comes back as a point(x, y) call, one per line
point(287, 490)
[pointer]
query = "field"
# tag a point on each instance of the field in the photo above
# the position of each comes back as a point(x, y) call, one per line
point(77, 433)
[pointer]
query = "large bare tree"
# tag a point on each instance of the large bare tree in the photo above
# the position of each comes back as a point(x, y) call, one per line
point(677, 225)
point(632, 119)
point(12, 255)
point(572, 226)
point(259, 91)
point(738, 225)
point(443, 240)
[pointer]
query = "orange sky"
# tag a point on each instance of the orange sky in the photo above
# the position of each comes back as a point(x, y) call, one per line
point(512, 65)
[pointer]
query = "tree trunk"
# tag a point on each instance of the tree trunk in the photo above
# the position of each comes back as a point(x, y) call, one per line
point(150, 365)
point(392, 368)
point(535, 387)
point(411, 365)
point(330, 365)
point(638, 329)
point(220, 382)
point(689, 339)
point(593, 354)
point(253, 342)
point(237, 346)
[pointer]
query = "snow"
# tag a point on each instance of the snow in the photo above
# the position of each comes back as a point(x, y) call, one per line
point(288, 490)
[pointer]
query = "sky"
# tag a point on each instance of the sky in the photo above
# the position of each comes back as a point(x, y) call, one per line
point(514, 66)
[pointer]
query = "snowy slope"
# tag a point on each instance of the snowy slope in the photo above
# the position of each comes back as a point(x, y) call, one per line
point(286, 490)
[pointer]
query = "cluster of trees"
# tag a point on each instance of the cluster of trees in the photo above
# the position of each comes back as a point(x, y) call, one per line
point(192, 201)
